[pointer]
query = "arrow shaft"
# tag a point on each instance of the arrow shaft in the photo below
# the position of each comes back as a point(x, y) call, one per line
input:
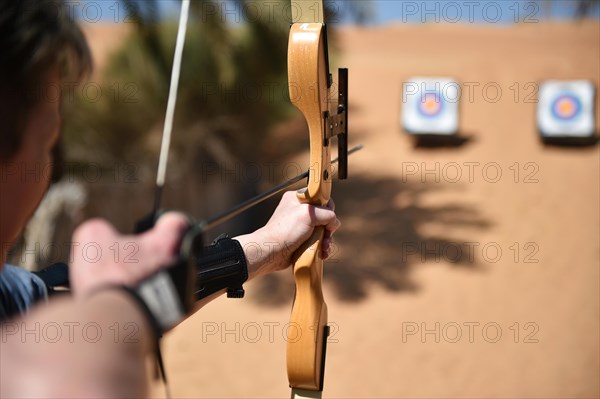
point(236, 210)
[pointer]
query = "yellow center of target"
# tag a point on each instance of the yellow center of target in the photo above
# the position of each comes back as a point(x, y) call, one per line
point(431, 104)
point(565, 107)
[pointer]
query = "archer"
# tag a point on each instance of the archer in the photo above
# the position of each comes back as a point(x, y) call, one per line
point(42, 47)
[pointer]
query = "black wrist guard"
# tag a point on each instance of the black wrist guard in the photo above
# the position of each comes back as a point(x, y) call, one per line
point(168, 297)
point(160, 302)
point(165, 297)
point(221, 266)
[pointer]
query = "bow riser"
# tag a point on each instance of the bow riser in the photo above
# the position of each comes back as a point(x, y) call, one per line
point(309, 92)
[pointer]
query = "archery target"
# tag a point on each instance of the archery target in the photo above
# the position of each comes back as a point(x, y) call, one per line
point(566, 109)
point(430, 106)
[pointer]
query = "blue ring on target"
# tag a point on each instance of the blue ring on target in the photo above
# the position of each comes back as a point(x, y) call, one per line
point(431, 105)
point(566, 107)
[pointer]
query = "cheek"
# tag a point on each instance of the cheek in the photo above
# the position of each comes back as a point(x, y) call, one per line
point(34, 181)
point(23, 187)
point(33, 169)
point(38, 160)
point(40, 173)
point(32, 166)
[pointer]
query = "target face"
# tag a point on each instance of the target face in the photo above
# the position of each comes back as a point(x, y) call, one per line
point(566, 109)
point(430, 106)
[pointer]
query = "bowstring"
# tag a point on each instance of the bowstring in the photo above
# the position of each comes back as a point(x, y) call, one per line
point(166, 141)
point(171, 103)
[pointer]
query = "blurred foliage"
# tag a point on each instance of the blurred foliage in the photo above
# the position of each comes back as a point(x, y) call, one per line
point(581, 8)
point(221, 64)
point(585, 8)
point(233, 87)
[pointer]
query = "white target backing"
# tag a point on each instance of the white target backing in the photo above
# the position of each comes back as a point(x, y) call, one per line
point(430, 106)
point(566, 109)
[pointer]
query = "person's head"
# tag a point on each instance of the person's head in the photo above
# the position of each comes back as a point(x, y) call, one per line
point(40, 46)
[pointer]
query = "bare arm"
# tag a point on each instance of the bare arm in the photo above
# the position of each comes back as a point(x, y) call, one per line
point(80, 348)
point(95, 343)
point(271, 248)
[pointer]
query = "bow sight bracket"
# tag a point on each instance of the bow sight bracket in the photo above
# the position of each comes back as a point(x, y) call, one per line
point(337, 125)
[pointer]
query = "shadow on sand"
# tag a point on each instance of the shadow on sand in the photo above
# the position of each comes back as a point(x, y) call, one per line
point(570, 142)
point(441, 141)
point(381, 240)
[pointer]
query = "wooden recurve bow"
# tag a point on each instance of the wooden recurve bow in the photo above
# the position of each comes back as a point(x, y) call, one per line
point(311, 91)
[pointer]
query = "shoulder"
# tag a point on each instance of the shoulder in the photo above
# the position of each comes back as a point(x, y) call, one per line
point(19, 290)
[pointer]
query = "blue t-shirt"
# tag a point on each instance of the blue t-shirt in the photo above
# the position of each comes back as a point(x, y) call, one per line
point(19, 290)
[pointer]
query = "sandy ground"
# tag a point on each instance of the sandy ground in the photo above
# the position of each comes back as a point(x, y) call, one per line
point(449, 280)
